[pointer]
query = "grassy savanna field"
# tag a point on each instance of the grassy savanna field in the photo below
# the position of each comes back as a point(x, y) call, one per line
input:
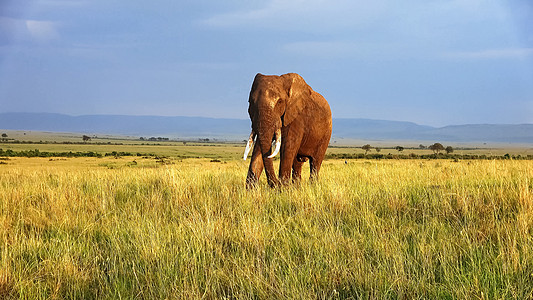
point(133, 227)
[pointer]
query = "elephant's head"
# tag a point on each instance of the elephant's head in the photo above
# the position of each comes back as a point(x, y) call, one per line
point(275, 102)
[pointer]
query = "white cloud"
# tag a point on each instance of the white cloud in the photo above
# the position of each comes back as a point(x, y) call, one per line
point(21, 30)
point(42, 31)
point(311, 15)
point(507, 53)
point(321, 49)
point(343, 49)
point(368, 50)
point(70, 3)
point(381, 28)
point(257, 15)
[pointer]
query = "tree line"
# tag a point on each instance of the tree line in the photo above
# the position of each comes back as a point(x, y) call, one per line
point(456, 157)
point(37, 153)
point(436, 148)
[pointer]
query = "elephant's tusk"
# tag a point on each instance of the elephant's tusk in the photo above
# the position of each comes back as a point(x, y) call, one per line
point(277, 145)
point(249, 144)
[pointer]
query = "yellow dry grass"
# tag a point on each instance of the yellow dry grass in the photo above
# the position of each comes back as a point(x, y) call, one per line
point(115, 228)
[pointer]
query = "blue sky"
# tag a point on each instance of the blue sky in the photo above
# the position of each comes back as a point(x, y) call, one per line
point(430, 62)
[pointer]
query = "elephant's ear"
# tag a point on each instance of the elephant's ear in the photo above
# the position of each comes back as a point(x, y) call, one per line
point(298, 93)
point(257, 78)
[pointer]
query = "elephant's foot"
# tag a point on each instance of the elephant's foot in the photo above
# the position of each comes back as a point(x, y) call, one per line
point(251, 180)
point(296, 180)
point(274, 183)
point(286, 180)
point(251, 184)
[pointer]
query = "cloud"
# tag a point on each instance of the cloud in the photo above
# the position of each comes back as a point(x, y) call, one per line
point(310, 15)
point(328, 49)
point(506, 53)
point(42, 31)
point(255, 16)
point(381, 50)
point(69, 3)
point(21, 30)
point(375, 29)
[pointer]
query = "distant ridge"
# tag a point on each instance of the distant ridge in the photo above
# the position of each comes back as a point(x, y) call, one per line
point(126, 125)
point(238, 129)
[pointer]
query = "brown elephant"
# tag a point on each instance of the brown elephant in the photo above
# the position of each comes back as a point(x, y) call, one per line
point(286, 110)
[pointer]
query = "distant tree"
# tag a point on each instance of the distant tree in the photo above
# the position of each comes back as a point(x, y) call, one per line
point(378, 149)
point(367, 148)
point(86, 138)
point(449, 149)
point(4, 135)
point(399, 148)
point(437, 147)
point(184, 143)
point(421, 146)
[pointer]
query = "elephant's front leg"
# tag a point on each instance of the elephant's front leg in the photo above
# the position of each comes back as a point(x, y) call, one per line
point(292, 139)
point(269, 169)
point(285, 168)
point(288, 157)
point(256, 167)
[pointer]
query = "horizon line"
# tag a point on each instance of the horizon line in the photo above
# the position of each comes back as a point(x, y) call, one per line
point(227, 118)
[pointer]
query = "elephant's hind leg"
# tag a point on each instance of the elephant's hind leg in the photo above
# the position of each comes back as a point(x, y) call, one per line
point(316, 162)
point(297, 168)
point(314, 166)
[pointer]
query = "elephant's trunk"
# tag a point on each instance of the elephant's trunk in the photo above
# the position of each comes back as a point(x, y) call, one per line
point(264, 139)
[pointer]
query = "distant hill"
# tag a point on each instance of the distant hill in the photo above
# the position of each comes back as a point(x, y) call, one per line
point(237, 129)
point(368, 129)
point(146, 126)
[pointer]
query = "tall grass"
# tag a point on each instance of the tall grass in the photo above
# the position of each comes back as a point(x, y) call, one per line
point(371, 229)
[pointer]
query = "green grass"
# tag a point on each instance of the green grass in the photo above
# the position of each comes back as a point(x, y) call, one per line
point(111, 228)
point(174, 149)
point(65, 142)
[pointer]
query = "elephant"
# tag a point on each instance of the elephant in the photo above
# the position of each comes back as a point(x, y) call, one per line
point(285, 109)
